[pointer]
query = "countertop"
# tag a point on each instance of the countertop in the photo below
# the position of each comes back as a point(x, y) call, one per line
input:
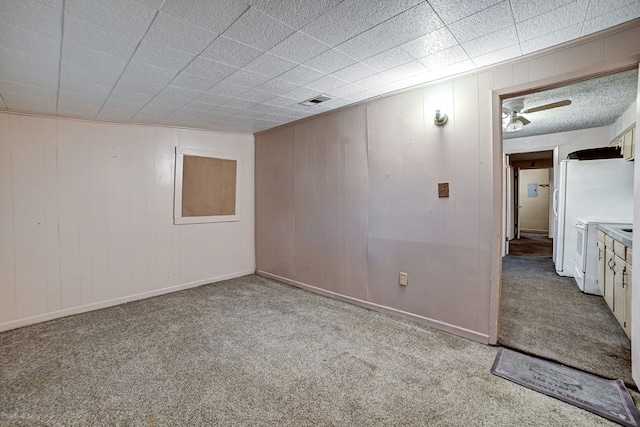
point(617, 232)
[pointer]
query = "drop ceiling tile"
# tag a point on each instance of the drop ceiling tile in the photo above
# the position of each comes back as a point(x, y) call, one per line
point(452, 69)
point(354, 72)
point(198, 106)
point(295, 13)
point(498, 56)
point(226, 111)
point(17, 39)
point(276, 86)
point(281, 101)
point(491, 42)
point(178, 34)
point(454, 10)
point(175, 97)
point(231, 52)
point(188, 81)
point(36, 104)
point(240, 103)
point(13, 88)
point(301, 94)
point(70, 74)
point(209, 69)
point(212, 99)
point(116, 114)
point(603, 7)
point(72, 98)
point(337, 25)
point(162, 56)
point(93, 90)
point(552, 21)
point(551, 39)
point(388, 59)
point(345, 91)
point(126, 16)
point(400, 29)
point(128, 84)
point(148, 73)
point(258, 30)
point(299, 47)
point(246, 78)
point(88, 34)
point(228, 89)
point(155, 4)
point(128, 100)
point(269, 65)
point(184, 114)
point(487, 21)
point(85, 111)
point(430, 43)
point(612, 18)
point(14, 61)
point(406, 70)
point(30, 78)
point(326, 84)
point(301, 75)
point(373, 81)
point(527, 9)
point(330, 61)
point(30, 15)
point(444, 58)
point(361, 96)
point(255, 95)
point(80, 56)
point(214, 16)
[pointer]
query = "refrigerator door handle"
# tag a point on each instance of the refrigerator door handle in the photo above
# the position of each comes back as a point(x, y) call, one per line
point(555, 202)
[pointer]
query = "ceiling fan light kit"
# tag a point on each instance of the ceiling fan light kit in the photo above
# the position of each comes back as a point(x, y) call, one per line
point(514, 108)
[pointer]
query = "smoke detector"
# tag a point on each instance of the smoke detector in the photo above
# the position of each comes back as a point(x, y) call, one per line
point(314, 101)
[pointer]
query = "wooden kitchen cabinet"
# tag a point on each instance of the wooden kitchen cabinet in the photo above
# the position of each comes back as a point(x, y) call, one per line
point(628, 144)
point(609, 276)
point(602, 262)
point(614, 278)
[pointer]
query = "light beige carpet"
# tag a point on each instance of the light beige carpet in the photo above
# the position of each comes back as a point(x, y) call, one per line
point(251, 351)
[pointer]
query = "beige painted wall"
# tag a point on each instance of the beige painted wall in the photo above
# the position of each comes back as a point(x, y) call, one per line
point(87, 216)
point(347, 200)
point(534, 211)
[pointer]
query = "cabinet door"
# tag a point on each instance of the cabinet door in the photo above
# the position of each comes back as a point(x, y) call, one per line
point(608, 276)
point(602, 265)
point(619, 289)
point(627, 145)
point(627, 307)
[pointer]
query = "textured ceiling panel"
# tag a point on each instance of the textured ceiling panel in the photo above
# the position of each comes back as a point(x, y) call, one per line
point(244, 65)
point(594, 103)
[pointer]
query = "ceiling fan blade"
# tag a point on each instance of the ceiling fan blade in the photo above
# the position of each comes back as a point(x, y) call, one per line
point(523, 120)
point(547, 107)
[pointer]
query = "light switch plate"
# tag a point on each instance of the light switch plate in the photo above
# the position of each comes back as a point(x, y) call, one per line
point(443, 189)
point(404, 279)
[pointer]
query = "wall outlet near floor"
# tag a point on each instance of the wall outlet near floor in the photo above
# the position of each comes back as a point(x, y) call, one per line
point(404, 279)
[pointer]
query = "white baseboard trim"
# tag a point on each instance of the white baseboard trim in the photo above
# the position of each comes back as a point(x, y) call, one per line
point(436, 324)
point(110, 303)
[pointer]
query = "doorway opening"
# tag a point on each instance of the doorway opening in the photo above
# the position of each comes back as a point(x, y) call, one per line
point(542, 312)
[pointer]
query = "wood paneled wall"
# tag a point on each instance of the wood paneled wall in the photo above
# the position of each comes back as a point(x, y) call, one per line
point(86, 216)
point(347, 226)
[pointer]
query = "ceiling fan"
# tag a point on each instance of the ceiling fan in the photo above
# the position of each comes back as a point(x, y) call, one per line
point(513, 109)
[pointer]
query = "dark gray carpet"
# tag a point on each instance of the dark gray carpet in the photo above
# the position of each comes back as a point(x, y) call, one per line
point(531, 244)
point(251, 351)
point(546, 315)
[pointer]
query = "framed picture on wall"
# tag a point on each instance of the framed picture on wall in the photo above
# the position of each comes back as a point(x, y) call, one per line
point(206, 187)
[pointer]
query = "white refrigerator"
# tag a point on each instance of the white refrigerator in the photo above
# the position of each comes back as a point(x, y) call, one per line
point(601, 189)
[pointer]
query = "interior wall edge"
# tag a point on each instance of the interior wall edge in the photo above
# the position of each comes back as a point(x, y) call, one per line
point(432, 323)
point(117, 301)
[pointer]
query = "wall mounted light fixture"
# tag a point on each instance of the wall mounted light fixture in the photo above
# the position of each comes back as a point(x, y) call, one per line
point(440, 119)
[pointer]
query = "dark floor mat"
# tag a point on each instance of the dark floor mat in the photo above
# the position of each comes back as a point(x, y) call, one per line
point(607, 398)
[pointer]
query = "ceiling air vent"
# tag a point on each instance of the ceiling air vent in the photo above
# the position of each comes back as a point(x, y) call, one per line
point(314, 101)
